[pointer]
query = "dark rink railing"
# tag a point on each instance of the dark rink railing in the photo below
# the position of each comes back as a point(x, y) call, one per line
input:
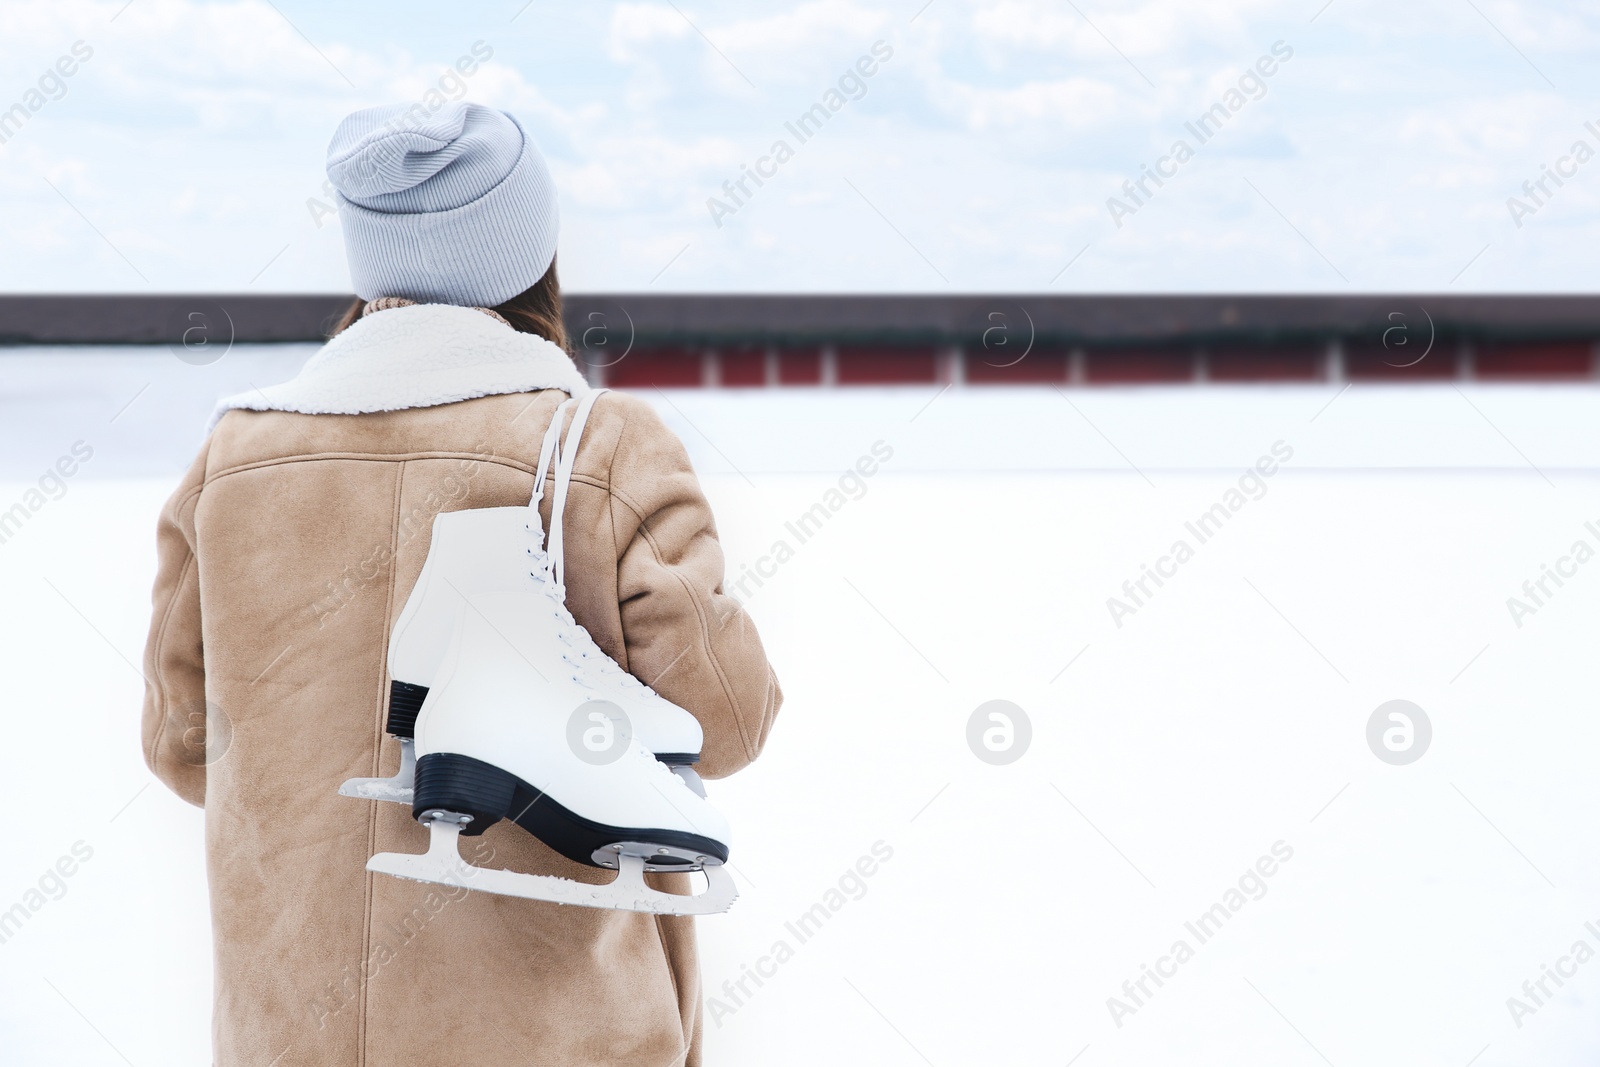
point(769, 340)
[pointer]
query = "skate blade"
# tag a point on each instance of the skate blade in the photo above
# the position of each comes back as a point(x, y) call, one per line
point(399, 789)
point(442, 864)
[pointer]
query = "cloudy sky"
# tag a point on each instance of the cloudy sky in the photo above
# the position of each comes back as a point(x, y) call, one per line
point(185, 152)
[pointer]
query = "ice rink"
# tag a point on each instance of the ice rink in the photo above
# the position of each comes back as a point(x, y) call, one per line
point(1213, 730)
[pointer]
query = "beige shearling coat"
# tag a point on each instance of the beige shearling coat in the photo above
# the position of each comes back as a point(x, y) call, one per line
point(285, 556)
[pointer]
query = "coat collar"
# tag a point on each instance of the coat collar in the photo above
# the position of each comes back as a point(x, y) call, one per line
point(415, 357)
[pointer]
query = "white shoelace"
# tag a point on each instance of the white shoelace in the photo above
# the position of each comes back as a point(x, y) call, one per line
point(549, 566)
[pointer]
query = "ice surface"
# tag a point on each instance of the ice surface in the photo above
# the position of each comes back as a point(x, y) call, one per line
point(1228, 713)
point(143, 410)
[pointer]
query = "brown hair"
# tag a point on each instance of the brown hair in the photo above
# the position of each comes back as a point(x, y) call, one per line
point(535, 310)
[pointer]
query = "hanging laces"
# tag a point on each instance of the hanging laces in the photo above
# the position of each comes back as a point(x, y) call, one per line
point(547, 451)
point(534, 525)
point(566, 459)
point(564, 455)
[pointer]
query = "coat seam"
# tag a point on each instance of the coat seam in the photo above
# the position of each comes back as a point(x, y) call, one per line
point(353, 457)
point(616, 541)
point(166, 621)
point(373, 457)
point(622, 431)
point(705, 632)
point(372, 813)
point(672, 976)
point(155, 666)
point(630, 504)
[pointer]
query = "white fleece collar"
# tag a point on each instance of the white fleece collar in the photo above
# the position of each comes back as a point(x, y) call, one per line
point(415, 357)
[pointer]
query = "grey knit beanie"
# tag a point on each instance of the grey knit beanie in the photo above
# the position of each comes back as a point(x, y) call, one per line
point(453, 207)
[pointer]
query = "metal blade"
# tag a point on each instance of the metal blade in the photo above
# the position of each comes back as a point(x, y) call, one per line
point(442, 864)
point(399, 789)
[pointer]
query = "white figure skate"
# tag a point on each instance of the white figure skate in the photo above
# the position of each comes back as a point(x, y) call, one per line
point(504, 731)
point(483, 550)
point(496, 740)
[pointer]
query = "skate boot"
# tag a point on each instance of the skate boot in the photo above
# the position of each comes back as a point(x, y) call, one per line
point(505, 732)
point(477, 551)
point(486, 549)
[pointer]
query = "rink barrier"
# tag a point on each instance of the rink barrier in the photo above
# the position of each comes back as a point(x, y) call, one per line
point(736, 341)
point(830, 365)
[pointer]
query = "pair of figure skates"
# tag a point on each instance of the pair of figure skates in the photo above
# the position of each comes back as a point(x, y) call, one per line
point(506, 708)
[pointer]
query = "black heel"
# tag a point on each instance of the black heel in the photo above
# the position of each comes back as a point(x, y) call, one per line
point(466, 786)
point(405, 700)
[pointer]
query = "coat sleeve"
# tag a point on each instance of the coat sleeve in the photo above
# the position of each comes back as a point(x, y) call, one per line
point(684, 636)
point(174, 667)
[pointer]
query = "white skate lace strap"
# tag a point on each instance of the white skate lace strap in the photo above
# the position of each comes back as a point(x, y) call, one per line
point(547, 451)
point(566, 458)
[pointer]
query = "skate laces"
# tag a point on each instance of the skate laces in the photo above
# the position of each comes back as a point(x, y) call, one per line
point(587, 655)
point(590, 661)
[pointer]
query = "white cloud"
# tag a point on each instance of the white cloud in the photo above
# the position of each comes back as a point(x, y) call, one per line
point(1073, 103)
point(821, 25)
point(194, 136)
point(1543, 27)
point(775, 41)
point(634, 27)
point(1152, 28)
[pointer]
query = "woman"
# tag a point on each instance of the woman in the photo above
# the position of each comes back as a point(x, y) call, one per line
point(285, 557)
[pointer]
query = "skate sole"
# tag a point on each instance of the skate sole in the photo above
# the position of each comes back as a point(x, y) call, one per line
point(446, 781)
